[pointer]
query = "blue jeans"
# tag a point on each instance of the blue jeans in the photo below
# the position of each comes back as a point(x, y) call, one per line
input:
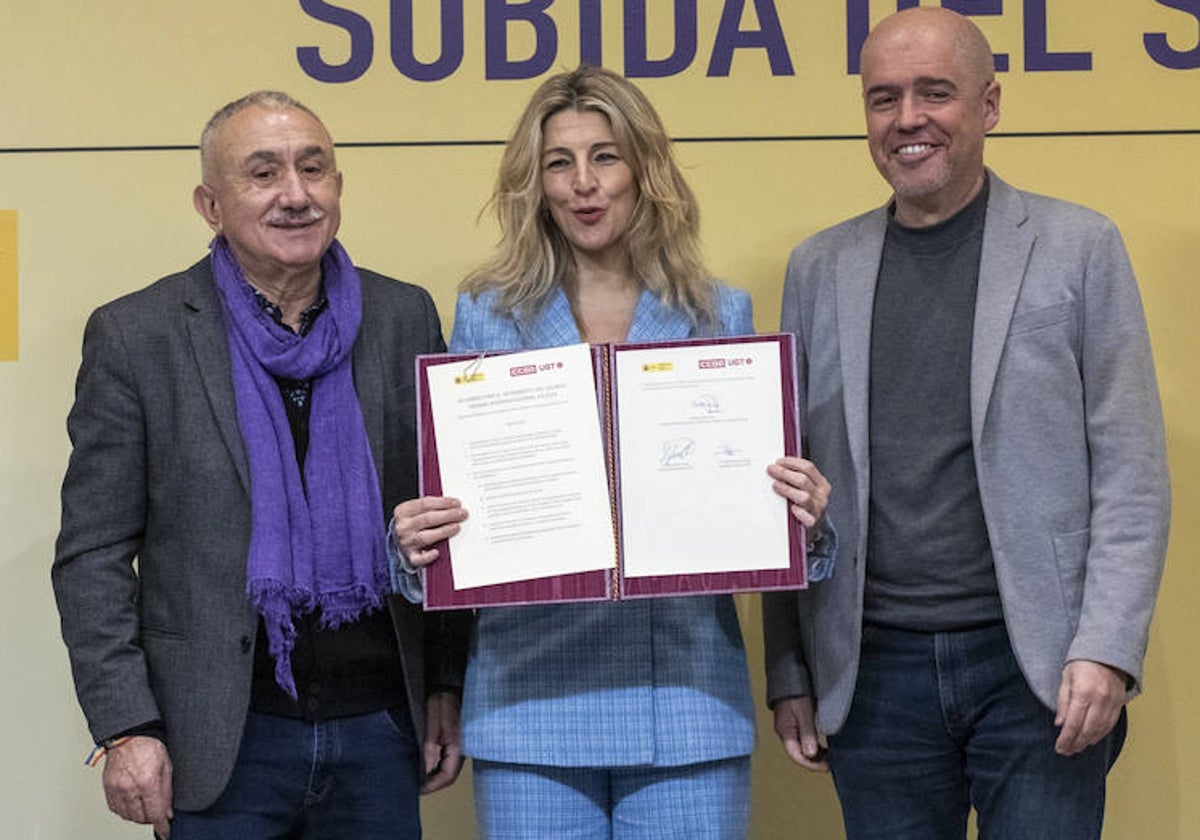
point(942, 722)
point(709, 801)
point(354, 777)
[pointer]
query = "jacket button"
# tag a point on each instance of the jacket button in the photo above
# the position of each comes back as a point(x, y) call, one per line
point(245, 642)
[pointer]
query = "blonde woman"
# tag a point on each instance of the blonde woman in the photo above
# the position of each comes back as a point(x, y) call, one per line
point(631, 719)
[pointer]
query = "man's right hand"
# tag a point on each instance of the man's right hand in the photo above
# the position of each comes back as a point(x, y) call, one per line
point(137, 783)
point(795, 724)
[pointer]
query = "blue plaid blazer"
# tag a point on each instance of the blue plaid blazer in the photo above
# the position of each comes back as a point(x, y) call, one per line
point(659, 682)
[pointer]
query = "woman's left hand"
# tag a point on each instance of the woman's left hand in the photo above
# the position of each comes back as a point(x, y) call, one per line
point(801, 483)
point(420, 524)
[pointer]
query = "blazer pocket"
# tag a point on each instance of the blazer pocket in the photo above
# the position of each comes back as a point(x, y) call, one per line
point(1070, 556)
point(154, 631)
point(1043, 316)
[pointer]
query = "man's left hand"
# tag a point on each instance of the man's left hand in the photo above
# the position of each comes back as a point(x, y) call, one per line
point(443, 752)
point(137, 782)
point(1090, 699)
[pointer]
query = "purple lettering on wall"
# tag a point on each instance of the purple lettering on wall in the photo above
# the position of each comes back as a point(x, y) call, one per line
point(362, 44)
point(1162, 52)
point(858, 25)
point(1037, 56)
point(981, 8)
point(404, 56)
point(497, 16)
point(637, 63)
point(590, 26)
point(769, 38)
point(504, 18)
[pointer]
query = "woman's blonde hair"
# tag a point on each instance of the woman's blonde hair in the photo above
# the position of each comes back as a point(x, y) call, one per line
point(533, 257)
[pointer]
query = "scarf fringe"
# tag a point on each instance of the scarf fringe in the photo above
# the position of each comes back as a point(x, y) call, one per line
point(338, 608)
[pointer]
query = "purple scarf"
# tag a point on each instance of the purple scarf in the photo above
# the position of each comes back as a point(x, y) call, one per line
point(323, 549)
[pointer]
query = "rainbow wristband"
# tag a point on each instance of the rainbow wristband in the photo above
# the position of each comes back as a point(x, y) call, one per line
point(102, 749)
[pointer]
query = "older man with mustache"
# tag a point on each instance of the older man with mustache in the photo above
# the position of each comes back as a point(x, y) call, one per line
point(240, 431)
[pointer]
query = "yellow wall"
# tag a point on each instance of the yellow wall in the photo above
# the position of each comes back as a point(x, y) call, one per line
point(95, 224)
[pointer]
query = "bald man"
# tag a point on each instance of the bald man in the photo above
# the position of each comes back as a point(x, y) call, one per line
point(978, 388)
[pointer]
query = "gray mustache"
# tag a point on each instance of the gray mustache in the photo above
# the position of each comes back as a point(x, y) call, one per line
point(302, 216)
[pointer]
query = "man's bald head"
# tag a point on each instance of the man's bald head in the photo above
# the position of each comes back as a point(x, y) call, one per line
point(970, 45)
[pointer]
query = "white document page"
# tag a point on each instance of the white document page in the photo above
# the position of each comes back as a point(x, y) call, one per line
point(518, 442)
point(698, 427)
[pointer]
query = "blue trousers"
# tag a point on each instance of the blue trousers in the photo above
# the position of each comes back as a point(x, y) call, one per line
point(943, 722)
point(709, 801)
point(351, 778)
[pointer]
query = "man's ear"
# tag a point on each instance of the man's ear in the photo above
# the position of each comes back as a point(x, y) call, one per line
point(205, 202)
point(991, 106)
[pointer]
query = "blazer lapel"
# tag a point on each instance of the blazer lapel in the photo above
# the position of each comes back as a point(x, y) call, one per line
point(210, 346)
point(369, 379)
point(1007, 245)
point(654, 322)
point(857, 273)
point(554, 326)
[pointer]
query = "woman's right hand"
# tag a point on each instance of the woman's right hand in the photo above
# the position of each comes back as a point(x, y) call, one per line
point(420, 524)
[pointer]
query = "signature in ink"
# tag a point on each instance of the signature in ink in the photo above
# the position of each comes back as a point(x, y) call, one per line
point(677, 452)
point(727, 450)
point(707, 404)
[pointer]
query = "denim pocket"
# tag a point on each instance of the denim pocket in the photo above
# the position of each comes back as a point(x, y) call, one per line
point(399, 721)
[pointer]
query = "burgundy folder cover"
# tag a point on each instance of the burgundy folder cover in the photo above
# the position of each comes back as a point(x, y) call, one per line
point(609, 584)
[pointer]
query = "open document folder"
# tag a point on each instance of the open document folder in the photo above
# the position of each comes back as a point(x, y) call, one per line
point(611, 471)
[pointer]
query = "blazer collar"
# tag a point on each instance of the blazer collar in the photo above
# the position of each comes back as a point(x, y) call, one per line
point(370, 380)
point(210, 345)
point(1007, 245)
point(555, 324)
point(856, 275)
point(654, 322)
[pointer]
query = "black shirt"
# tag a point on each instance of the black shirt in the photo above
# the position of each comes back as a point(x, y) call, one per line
point(354, 669)
point(929, 560)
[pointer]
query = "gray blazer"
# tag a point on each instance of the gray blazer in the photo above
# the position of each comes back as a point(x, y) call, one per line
point(1067, 433)
point(150, 564)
